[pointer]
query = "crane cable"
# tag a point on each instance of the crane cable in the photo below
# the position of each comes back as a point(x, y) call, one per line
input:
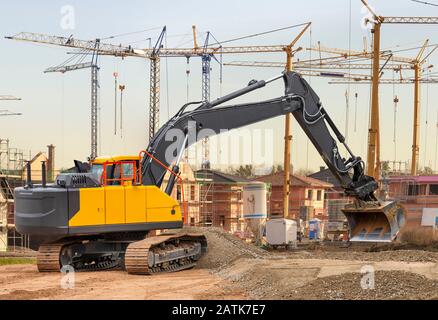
point(62, 116)
point(220, 65)
point(347, 93)
point(188, 80)
point(130, 33)
point(310, 81)
point(355, 111)
point(260, 33)
point(396, 100)
point(167, 79)
point(426, 3)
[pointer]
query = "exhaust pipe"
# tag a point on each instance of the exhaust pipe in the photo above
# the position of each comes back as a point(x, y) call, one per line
point(29, 176)
point(43, 174)
point(380, 222)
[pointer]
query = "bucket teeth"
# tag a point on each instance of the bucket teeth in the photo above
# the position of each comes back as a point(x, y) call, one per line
point(376, 222)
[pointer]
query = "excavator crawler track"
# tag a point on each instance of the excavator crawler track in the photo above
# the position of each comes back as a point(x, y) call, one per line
point(48, 257)
point(164, 253)
point(52, 257)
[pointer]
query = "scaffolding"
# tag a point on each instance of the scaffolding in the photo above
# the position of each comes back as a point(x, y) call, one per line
point(206, 197)
point(220, 202)
point(12, 162)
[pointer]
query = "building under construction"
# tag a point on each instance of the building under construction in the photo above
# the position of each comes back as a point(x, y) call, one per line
point(13, 174)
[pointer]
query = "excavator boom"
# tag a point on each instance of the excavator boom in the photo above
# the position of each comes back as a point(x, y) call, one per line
point(370, 219)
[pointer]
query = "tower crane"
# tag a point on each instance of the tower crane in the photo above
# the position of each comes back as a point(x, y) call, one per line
point(93, 65)
point(8, 98)
point(4, 113)
point(154, 111)
point(153, 54)
point(96, 48)
point(9, 113)
point(205, 88)
point(374, 134)
point(306, 65)
point(158, 51)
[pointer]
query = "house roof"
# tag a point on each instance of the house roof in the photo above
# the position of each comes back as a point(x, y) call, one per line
point(415, 179)
point(327, 176)
point(36, 157)
point(219, 176)
point(276, 179)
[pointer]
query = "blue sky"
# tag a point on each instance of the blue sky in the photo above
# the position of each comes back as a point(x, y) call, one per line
point(56, 107)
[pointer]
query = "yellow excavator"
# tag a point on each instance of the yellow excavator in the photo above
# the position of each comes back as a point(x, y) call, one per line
point(104, 215)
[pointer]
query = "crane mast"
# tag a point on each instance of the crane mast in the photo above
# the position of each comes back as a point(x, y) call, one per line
point(374, 134)
point(94, 100)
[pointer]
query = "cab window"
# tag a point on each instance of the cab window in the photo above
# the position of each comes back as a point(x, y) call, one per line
point(128, 170)
point(116, 175)
point(97, 169)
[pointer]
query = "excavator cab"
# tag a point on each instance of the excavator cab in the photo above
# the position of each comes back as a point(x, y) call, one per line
point(117, 170)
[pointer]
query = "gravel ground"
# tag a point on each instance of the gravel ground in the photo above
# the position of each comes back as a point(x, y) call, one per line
point(287, 275)
point(398, 255)
point(224, 248)
point(388, 285)
point(234, 269)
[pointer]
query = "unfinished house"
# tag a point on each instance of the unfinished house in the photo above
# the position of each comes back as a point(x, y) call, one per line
point(418, 194)
point(335, 202)
point(307, 196)
point(4, 206)
point(191, 193)
point(9, 238)
point(35, 167)
point(12, 175)
point(221, 201)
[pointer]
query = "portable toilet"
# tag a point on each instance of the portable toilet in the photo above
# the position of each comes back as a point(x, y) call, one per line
point(315, 229)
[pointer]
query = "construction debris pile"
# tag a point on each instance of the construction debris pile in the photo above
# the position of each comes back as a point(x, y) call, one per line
point(306, 274)
point(387, 285)
point(224, 248)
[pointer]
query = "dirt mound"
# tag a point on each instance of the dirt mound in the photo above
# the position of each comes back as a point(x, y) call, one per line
point(387, 285)
point(224, 248)
point(267, 278)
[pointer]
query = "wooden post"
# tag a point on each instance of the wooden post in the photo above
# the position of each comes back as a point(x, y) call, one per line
point(373, 157)
point(416, 133)
point(287, 146)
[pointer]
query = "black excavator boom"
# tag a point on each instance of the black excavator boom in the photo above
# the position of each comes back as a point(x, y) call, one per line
point(186, 127)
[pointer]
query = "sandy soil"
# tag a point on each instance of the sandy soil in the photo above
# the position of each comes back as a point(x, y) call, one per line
point(233, 269)
point(25, 282)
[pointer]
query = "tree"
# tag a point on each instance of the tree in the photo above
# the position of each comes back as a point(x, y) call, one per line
point(304, 172)
point(245, 171)
point(276, 168)
point(426, 171)
point(385, 168)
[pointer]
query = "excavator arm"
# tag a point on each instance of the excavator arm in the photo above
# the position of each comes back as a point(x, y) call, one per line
point(299, 99)
point(369, 218)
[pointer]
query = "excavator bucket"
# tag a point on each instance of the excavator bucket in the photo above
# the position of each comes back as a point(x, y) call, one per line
point(374, 223)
